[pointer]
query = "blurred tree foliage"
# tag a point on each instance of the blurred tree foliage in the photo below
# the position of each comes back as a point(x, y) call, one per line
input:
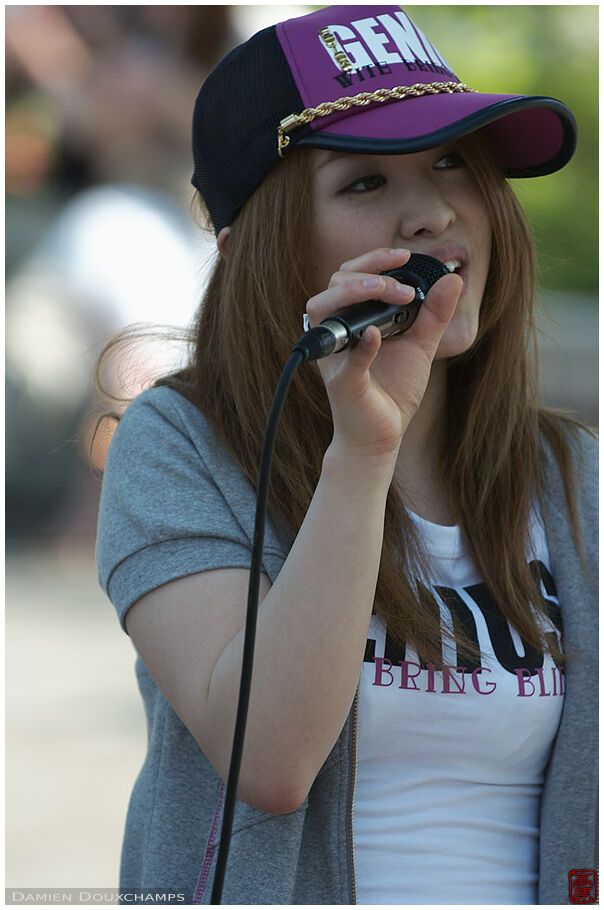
point(540, 50)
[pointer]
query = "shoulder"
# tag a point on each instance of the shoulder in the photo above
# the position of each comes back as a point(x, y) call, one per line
point(162, 407)
point(584, 444)
point(569, 495)
point(582, 449)
point(161, 427)
point(173, 502)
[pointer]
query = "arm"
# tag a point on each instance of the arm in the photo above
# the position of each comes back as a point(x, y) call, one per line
point(313, 622)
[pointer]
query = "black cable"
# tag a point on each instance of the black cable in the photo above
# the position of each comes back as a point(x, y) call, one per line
point(298, 355)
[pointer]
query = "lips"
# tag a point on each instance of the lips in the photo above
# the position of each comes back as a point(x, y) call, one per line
point(455, 257)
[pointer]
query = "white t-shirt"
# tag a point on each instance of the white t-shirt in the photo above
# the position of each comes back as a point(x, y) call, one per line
point(450, 762)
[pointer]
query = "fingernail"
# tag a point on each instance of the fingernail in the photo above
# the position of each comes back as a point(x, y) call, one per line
point(398, 251)
point(373, 283)
point(404, 290)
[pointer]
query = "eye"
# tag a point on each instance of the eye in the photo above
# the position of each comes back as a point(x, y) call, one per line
point(450, 160)
point(365, 184)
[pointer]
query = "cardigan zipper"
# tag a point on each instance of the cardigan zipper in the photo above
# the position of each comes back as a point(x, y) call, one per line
point(351, 794)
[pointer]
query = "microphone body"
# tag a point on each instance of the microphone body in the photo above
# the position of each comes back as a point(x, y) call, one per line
point(345, 328)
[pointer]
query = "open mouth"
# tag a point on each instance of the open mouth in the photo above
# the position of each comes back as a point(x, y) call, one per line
point(454, 265)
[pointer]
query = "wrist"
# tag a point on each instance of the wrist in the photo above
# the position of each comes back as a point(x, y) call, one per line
point(359, 467)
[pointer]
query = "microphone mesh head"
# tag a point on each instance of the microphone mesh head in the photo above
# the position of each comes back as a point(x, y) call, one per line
point(420, 271)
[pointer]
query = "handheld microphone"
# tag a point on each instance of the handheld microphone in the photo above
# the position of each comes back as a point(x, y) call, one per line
point(344, 328)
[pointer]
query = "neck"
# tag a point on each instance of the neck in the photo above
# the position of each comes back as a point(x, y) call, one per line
point(416, 472)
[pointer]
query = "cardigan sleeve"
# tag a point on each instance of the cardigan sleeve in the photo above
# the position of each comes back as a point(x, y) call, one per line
point(173, 502)
point(569, 807)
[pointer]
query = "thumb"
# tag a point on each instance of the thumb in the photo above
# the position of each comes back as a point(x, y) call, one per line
point(437, 310)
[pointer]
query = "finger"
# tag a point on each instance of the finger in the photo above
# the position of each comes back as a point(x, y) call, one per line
point(356, 289)
point(342, 276)
point(350, 369)
point(362, 355)
point(379, 260)
point(436, 312)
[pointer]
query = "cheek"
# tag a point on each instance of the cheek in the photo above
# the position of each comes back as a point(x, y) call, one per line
point(486, 233)
point(480, 235)
point(323, 250)
point(482, 232)
point(321, 268)
point(334, 241)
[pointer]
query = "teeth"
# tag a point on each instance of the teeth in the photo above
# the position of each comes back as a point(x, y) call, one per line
point(452, 264)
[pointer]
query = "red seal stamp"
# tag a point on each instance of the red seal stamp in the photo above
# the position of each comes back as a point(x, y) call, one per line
point(583, 886)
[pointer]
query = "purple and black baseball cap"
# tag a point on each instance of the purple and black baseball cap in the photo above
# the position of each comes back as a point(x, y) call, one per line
point(361, 79)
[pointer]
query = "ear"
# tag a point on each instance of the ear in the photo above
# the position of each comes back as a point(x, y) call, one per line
point(223, 241)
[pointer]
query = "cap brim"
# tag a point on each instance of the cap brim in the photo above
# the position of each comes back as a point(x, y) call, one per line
point(531, 135)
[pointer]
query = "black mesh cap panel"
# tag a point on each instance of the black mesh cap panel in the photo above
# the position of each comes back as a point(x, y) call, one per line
point(235, 122)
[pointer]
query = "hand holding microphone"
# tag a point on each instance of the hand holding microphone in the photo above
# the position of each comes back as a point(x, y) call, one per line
point(346, 327)
point(376, 385)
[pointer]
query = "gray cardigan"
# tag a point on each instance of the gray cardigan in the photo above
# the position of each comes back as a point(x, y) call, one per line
point(181, 506)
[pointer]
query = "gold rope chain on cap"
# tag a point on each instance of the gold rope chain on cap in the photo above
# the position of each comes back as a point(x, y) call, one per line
point(398, 93)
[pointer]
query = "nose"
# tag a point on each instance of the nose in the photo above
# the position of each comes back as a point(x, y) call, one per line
point(425, 212)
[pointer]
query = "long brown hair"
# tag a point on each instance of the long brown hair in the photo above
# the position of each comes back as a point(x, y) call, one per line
point(251, 316)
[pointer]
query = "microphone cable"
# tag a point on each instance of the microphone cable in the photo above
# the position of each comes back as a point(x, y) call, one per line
point(316, 343)
point(266, 460)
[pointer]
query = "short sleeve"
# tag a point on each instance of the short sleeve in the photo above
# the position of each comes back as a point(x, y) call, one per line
point(173, 502)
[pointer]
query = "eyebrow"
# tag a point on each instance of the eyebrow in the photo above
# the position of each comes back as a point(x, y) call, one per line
point(332, 156)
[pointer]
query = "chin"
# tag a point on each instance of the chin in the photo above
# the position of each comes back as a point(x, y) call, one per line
point(458, 338)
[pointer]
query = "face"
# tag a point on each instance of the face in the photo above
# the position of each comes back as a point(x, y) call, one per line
point(427, 202)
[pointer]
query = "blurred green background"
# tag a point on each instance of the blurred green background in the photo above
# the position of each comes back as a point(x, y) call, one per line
point(538, 50)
